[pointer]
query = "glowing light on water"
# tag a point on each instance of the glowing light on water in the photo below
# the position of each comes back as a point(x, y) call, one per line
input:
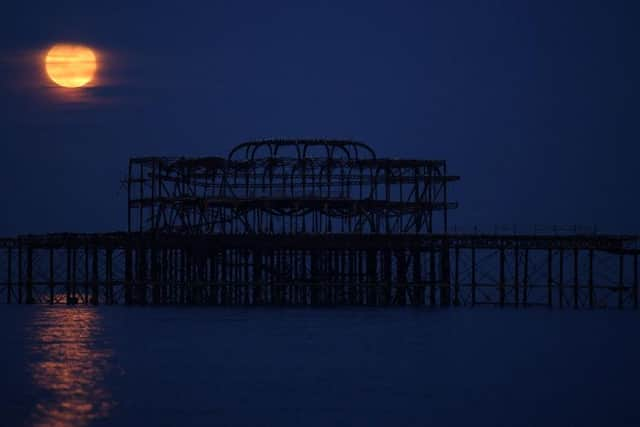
point(69, 367)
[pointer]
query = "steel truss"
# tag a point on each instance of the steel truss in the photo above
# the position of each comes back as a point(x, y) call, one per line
point(287, 187)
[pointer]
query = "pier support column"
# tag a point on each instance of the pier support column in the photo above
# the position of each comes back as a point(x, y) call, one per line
point(516, 276)
point(525, 279)
point(95, 295)
point(418, 283)
point(401, 262)
point(621, 281)
point(576, 279)
point(257, 276)
point(20, 278)
point(473, 276)
point(182, 276)
point(86, 273)
point(445, 280)
point(9, 274)
point(30, 299)
point(165, 265)
point(109, 276)
point(140, 293)
point(155, 274)
point(51, 276)
point(128, 276)
point(456, 278)
point(561, 279)
point(432, 277)
point(501, 280)
point(68, 284)
point(549, 278)
point(591, 285)
point(72, 297)
point(315, 277)
point(372, 273)
point(635, 281)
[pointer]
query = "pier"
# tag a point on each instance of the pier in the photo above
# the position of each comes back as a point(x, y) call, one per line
point(311, 223)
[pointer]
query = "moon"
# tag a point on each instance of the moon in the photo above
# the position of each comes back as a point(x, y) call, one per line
point(70, 65)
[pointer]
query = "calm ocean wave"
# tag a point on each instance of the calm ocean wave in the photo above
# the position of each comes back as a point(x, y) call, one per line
point(77, 366)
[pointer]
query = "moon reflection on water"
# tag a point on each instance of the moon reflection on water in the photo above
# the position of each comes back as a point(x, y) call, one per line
point(69, 367)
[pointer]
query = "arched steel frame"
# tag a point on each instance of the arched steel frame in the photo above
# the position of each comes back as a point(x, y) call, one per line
point(286, 187)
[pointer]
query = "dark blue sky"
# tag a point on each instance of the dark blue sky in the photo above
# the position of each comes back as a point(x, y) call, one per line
point(533, 103)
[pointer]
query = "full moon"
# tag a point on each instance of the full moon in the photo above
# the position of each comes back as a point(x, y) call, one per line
point(70, 65)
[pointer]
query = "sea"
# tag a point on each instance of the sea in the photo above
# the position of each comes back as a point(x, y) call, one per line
point(205, 366)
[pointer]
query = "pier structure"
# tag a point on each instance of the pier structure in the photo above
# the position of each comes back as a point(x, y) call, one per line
point(289, 187)
point(311, 223)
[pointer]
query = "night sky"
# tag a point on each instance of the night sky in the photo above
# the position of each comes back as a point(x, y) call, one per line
point(533, 103)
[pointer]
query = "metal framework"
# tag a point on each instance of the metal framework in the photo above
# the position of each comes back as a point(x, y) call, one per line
point(287, 187)
point(310, 222)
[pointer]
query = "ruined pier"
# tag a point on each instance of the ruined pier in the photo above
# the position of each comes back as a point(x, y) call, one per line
point(311, 223)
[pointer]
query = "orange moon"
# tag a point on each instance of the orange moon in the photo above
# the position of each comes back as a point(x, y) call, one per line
point(70, 65)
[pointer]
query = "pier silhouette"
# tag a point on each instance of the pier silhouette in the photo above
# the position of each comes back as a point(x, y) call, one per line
point(312, 223)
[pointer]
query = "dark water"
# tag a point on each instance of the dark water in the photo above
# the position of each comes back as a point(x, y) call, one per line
point(336, 367)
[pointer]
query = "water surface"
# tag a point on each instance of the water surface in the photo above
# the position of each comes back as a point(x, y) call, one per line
point(77, 366)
